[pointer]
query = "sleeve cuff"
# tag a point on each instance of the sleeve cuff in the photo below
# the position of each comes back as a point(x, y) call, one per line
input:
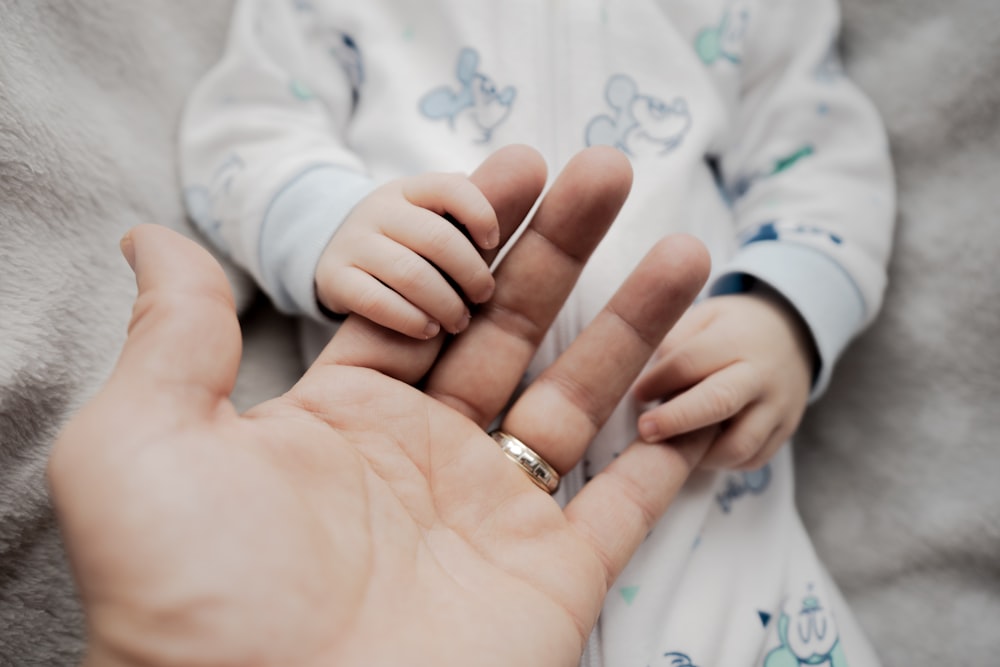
point(298, 224)
point(815, 285)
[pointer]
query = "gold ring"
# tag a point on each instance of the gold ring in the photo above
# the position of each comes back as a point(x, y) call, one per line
point(540, 472)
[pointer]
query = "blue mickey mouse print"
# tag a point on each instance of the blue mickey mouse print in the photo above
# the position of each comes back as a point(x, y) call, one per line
point(338, 45)
point(807, 633)
point(723, 42)
point(477, 98)
point(202, 201)
point(345, 51)
point(753, 482)
point(672, 659)
point(641, 125)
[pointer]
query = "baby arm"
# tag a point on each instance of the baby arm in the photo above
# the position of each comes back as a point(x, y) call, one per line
point(392, 257)
point(811, 191)
point(744, 362)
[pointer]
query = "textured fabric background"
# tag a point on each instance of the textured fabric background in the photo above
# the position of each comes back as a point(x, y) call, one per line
point(897, 464)
point(90, 92)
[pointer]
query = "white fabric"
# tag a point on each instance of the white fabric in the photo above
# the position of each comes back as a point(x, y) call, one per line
point(749, 91)
point(386, 90)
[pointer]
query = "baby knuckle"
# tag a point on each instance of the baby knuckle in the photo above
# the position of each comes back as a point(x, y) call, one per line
point(724, 399)
point(411, 274)
point(329, 271)
point(457, 184)
point(742, 447)
point(453, 182)
point(684, 362)
point(368, 302)
point(441, 240)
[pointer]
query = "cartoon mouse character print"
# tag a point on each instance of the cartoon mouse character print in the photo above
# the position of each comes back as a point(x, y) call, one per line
point(723, 42)
point(807, 633)
point(203, 201)
point(344, 50)
point(672, 659)
point(477, 99)
point(338, 45)
point(737, 485)
point(641, 125)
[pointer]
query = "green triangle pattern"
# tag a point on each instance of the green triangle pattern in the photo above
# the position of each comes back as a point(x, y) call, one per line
point(629, 593)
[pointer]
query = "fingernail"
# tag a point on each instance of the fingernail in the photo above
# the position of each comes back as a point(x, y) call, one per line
point(464, 322)
point(431, 329)
point(649, 430)
point(127, 247)
point(492, 239)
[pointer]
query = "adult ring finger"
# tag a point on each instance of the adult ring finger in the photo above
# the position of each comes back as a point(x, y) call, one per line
point(538, 470)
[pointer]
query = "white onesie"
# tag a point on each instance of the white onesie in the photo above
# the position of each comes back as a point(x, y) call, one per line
point(741, 129)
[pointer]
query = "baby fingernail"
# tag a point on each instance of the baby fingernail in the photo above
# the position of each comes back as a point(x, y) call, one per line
point(649, 430)
point(464, 322)
point(492, 239)
point(431, 329)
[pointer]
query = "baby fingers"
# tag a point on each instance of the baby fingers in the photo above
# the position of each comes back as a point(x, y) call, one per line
point(367, 296)
point(455, 196)
point(397, 273)
point(444, 245)
point(748, 441)
point(718, 397)
point(685, 359)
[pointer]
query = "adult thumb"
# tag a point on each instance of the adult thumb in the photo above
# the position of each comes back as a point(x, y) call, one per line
point(182, 353)
point(175, 371)
point(184, 341)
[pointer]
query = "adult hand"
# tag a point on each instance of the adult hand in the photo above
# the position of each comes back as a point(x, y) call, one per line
point(356, 520)
point(739, 365)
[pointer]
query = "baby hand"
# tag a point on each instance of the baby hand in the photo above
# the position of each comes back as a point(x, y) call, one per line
point(387, 259)
point(742, 362)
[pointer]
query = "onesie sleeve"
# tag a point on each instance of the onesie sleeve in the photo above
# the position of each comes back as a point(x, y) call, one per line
point(267, 175)
point(809, 178)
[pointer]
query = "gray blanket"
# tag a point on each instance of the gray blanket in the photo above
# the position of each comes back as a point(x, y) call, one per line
point(897, 464)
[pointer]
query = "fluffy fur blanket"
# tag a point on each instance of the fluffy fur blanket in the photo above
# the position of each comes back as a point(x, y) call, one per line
point(898, 464)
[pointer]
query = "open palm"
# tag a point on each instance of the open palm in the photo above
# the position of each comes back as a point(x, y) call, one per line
point(357, 520)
